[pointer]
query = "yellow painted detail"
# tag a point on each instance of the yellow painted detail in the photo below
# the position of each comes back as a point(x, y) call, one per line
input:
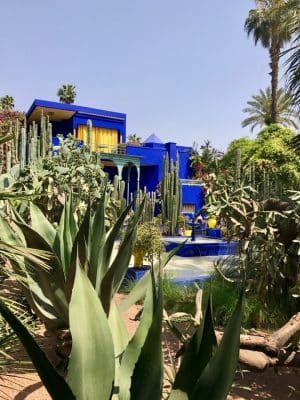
point(106, 138)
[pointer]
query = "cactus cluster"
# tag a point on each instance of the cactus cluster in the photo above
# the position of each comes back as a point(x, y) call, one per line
point(29, 144)
point(149, 206)
point(170, 195)
point(261, 178)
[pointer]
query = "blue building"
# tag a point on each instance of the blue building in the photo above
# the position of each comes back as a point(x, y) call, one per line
point(139, 165)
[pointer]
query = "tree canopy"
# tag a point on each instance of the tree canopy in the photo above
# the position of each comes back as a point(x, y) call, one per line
point(271, 148)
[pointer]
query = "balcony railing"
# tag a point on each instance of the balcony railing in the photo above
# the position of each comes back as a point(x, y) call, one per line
point(112, 149)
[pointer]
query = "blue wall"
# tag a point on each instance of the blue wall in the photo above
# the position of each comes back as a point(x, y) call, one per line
point(192, 194)
point(153, 154)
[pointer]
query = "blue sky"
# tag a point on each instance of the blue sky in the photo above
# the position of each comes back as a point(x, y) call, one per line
point(181, 69)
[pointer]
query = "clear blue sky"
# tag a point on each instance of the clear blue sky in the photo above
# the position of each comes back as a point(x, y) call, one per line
point(181, 69)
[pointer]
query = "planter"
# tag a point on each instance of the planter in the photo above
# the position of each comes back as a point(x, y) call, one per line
point(135, 273)
point(212, 222)
point(213, 232)
point(138, 256)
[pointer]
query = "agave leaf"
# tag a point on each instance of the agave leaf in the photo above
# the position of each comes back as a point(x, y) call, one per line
point(111, 238)
point(79, 251)
point(198, 353)
point(151, 355)
point(92, 355)
point(114, 277)
point(116, 273)
point(133, 350)
point(177, 394)
point(7, 234)
point(118, 329)
point(41, 224)
point(215, 381)
point(96, 241)
point(43, 308)
point(66, 233)
point(51, 281)
point(54, 383)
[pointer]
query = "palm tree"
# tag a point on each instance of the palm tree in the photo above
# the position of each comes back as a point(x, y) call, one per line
point(7, 103)
point(134, 138)
point(293, 62)
point(270, 24)
point(260, 109)
point(67, 94)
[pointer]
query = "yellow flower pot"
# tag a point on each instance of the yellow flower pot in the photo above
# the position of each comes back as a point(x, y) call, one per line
point(212, 222)
point(139, 258)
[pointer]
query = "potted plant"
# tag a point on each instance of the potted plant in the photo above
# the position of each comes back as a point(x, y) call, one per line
point(148, 245)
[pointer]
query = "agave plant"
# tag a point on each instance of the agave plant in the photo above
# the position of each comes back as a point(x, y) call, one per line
point(105, 365)
point(48, 291)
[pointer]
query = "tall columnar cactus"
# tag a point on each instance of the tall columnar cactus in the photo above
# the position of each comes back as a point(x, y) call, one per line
point(8, 160)
point(118, 191)
point(23, 148)
point(170, 195)
point(149, 205)
point(238, 168)
point(89, 128)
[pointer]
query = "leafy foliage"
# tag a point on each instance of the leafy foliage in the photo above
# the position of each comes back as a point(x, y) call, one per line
point(268, 159)
point(267, 231)
point(148, 241)
point(72, 168)
point(134, 139)
point(7, 103)
point(205, 160)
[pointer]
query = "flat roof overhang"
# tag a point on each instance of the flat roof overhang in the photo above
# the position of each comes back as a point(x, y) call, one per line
point(61, 111)
point(54, 114)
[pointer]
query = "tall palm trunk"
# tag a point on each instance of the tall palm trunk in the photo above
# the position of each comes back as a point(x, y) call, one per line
point(274, 64)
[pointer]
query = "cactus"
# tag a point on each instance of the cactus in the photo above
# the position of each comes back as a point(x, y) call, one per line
point(149, 206)
point(8, 160)
point(23, 148)
point(238, 168)
point(118, 192)
point(170, 195)
point(89, 128)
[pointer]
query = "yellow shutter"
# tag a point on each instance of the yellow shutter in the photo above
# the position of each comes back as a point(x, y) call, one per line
point(100, 137)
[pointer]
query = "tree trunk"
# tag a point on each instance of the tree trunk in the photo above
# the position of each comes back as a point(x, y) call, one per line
point(259, 350)
point(274, 64)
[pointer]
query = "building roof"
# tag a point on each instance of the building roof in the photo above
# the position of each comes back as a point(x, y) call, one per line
point(153, 139)
point(60, 111)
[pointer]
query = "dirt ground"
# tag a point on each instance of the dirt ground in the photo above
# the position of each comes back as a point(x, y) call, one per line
point(280, 385)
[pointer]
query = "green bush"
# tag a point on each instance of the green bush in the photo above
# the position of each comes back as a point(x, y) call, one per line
point(181, 298)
